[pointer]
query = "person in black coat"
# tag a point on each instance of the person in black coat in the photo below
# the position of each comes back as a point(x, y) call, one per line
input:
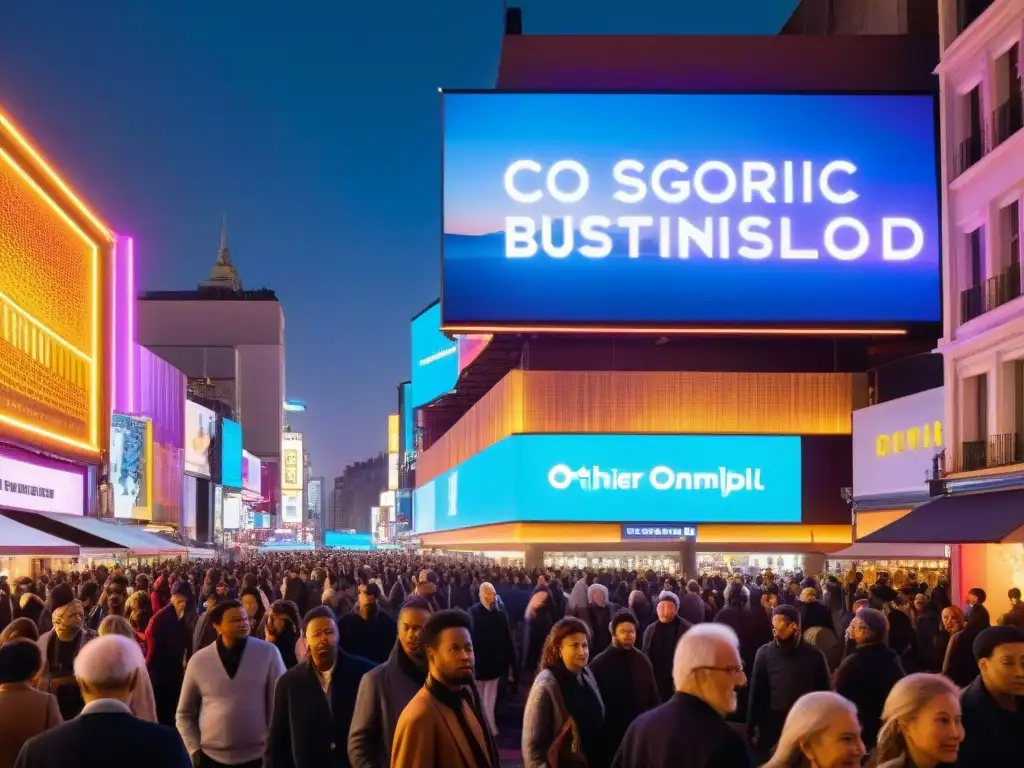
point(368, 631)
point(993, 705)
point(625, 679)
point(167, 644)
point(314, 701)
point(106, 733)
point(661, 638)
point(689, 730)
point(869, 672)
point(783, 671)
point(495, 654)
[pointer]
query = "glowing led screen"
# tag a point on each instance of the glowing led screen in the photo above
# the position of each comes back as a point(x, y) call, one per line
point(618, 478)
point(688, 210)
point(435, 358)
point(50, 308)
point(200, 432)
point(131, 466)
point(230, 454)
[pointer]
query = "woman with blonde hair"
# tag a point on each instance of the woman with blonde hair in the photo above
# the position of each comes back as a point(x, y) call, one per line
point(821, 731)
point(143, 701)
point(921, 724)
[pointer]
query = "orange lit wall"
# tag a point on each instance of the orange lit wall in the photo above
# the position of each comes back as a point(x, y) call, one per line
point(810, 537)
point(868, 522)
point(51, 304)
point(993, 567)
point(647, 402)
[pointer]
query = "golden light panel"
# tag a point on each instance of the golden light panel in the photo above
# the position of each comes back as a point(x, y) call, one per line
point(49, 311)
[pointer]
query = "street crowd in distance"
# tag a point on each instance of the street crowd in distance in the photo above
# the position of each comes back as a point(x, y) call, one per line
point(332, 658)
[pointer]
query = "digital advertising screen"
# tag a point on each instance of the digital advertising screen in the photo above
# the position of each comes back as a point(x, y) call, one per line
point(232, 511)
point(435, 358)
point(52, 305)
point(40, 485)
point(230, 454)
point(348, 540)
point(408, 421)
point(618, 478)
point(291, 462)
point(291, 506)
point(251, 473)
point(131, 466)
point(689, 210)
point(200, 432)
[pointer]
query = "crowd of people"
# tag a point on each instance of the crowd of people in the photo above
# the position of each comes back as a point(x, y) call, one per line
point(331, 659)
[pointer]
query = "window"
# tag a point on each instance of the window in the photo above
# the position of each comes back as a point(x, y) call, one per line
point(976, 254)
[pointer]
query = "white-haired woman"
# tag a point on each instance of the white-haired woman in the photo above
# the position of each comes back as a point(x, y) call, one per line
point(921, 725)
point(821, 731)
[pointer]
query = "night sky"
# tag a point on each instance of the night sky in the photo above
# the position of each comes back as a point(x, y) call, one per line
point(313, 125)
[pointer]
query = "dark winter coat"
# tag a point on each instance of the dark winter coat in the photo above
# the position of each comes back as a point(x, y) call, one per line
point(625, 679)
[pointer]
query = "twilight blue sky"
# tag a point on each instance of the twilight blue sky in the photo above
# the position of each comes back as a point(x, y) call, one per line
point(314, 126)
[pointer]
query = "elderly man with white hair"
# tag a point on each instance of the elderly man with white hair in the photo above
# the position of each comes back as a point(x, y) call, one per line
point(492, 646)
point(689, 730)
point(106, 733)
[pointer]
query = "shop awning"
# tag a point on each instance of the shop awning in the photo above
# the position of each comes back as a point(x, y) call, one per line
point(974, 518)
point(863, 550)
point(17, 540)
point(95, 533)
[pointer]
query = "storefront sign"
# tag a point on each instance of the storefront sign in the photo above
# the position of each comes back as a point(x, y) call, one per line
point(557, 216)
point(658, 479)
point(38, 488)
point(659, 531)
point(895, 444)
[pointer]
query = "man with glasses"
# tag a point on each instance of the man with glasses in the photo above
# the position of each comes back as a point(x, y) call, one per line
point(689, 730)
point(315, 700)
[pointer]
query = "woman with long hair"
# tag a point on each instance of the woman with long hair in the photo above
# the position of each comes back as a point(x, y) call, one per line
point(821, 731)
point(564, 711)
point(921, 725)
point(143, 701)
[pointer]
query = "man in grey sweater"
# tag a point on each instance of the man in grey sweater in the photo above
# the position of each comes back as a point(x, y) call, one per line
point(228, 695)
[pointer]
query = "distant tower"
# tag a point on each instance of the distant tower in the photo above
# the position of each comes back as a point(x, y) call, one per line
point(223, 274)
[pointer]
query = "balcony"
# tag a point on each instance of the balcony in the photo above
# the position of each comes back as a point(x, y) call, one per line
point(968, 152)
point(995, 451)
point(1005, 120)
point(989, 294)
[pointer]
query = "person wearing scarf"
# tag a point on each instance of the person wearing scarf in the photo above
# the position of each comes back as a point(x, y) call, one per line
point(564, 691)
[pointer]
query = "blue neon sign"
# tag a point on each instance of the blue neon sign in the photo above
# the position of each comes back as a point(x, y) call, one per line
point(587, 208)
point(653, 479)
point(435, 358)
point(230, 453)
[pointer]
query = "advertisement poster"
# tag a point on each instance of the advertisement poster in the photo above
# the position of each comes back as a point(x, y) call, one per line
point(435, 358)
point(40, 487)
point(232, 511)
point(251, 473)
point(291, 507)
point(895, 444)
point(230, 453)
point(667, 210)
point(200, 432)
point(291, 461)
point(131, 467)
point(619, 478)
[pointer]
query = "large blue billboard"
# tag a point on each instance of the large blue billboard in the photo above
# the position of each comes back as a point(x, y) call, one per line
point(673, 210)
point(435, 358)
point(618, 478)
point(230, 453)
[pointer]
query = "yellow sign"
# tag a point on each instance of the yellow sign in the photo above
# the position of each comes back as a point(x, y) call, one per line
point(927, 437)
point(291, 461)
point(50, 307)
point(392, 433)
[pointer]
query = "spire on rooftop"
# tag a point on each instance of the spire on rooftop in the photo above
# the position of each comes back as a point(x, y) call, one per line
point(223, 274)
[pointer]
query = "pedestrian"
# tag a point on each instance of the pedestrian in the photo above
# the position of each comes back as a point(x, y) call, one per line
point(661, 639)
point(443, 726)
point(921, 724)
point(143, 700)
point(385, 691)
point(60, 647)
point(783, 671)
point(314, 701)
point(563, 714)
point(167, 644)
point(821, 731)
point(228, 693)
point(993, 705)
point(493, 649)
point(25, 711)
point(625, 680)
point(871, 670)
point(106, 733)
point(367, 630)
point(690, 731)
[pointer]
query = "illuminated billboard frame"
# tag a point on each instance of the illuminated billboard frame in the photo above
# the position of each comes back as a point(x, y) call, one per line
point(473, 325)
point(291, 462)
point(7, 128)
